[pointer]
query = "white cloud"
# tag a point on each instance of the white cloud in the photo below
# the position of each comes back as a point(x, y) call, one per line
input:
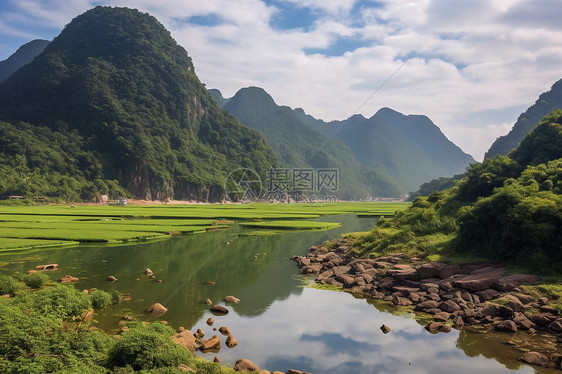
point(464, 56)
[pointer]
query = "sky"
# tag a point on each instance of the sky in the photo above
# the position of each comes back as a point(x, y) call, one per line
point(471, 66)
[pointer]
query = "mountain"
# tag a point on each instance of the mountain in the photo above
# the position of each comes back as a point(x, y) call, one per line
point(527, 121)
point(24, 55)
point(297, 145)
point(117, 82)
point(411, 149)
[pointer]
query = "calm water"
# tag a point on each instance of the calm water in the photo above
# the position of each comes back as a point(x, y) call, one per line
point(279, 324)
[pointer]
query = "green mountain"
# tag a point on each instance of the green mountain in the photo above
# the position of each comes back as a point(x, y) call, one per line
point(117, 82)
point(24, 55)
point(506, 209)
point(297, 145)
point(527, 121)
point(411, 149)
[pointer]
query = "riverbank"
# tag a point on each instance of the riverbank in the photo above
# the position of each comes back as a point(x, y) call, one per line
point(461, 296)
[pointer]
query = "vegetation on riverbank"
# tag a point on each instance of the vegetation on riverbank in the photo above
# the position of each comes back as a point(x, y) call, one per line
point(507, 209)
point(49, 330)
point(23, 227)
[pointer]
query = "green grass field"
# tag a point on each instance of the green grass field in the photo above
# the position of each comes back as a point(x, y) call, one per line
point(24, 227)
point(292, 225)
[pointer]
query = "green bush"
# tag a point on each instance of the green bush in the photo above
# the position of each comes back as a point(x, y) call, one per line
point(8, 285)
point(35, 280)
point(100, 299)
point(148, 347)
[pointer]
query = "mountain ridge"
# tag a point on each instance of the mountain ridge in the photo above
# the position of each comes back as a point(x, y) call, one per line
point(547, 101)
point(24, 55)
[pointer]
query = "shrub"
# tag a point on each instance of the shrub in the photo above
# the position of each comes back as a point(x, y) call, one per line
point(100, 299)
point(8, 285)
point(148, 347)
point(35, 280)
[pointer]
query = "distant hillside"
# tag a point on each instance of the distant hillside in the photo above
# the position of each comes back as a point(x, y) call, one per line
point(117, 82)
point(297, 145)
point(24, 55)
point(527, 121)
point(411, 149)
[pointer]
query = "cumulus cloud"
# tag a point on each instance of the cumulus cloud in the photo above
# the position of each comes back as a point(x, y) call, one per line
point(460, 57)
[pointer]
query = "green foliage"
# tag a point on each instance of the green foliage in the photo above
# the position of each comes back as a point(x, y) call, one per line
point(8, 285)
point(35, 280)
point(121, 102)
point(100, 299)
point(506, 209)
point(148, 347)
point(435, 185)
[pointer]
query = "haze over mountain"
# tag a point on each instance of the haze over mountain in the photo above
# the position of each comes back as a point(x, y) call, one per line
point(118, 100)
point(297, 145)
point(411, 149)
point(24, 55)
point(527, 121)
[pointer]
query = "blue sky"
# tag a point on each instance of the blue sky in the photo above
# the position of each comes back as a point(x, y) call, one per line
point(472, 66)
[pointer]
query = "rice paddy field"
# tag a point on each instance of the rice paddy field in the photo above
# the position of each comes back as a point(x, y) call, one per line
point(32, 227)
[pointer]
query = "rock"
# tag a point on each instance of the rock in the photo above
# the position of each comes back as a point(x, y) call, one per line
point(87, 316)
point(513, 302)
point(442, 317)
point(111, 278)
point(543, 301)
point(219, 309)
point(449, 306)
point(148, 272)
point(68, 279)
point(210, 283)
point(429, 304)
point(347, 280)
point(157, 310)
point(210, 321)
point(231, 342)
point(540, 320)
point(430, 270)
point(477, 282)
point(32, 272)
point(245, 365)
point(47, 267)
point(534, 358)
point(507, 326)
point(293, 371)
point(386, 283)
point(224, 330)
point(264, 372)
point(231, 299)
point(186, 340)
point(458, 321)
point(435, 327)
point(312, 269)
point(556, 326)
point(208, 301)
point(200, 334)
point(407, 274)
point(401, 301)
point(217, 360)
point(385, 329)
point(213, 343)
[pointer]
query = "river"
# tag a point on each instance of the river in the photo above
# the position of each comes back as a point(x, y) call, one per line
point(280, 323)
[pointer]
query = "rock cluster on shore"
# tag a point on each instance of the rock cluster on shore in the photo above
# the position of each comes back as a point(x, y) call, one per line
point(455, 295)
